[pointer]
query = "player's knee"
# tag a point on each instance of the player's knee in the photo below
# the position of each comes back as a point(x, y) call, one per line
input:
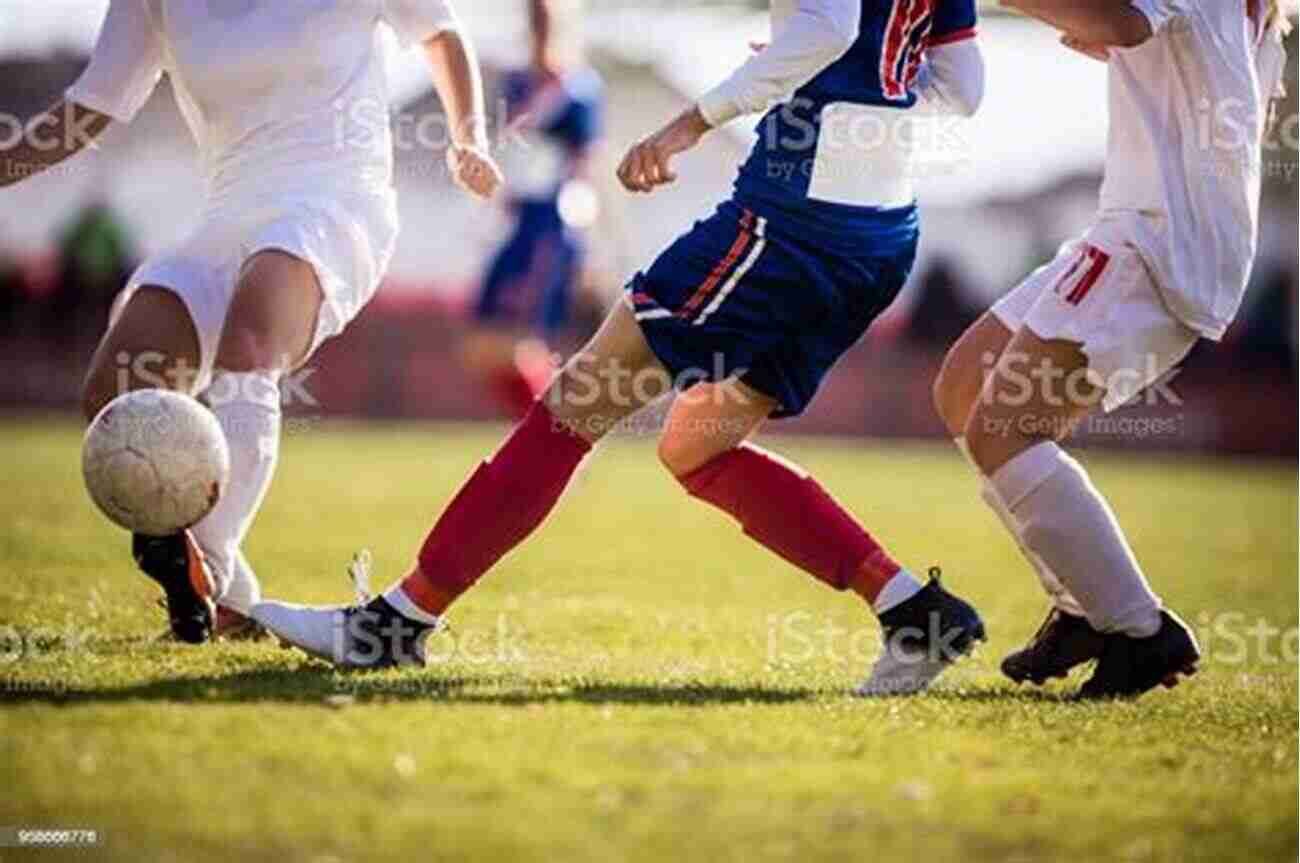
point(956, 389)
point(682, 454)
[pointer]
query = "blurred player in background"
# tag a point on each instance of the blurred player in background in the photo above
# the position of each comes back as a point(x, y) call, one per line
point(289, 106)
point(746, 312)
point(555, 107)
point(1166, 263)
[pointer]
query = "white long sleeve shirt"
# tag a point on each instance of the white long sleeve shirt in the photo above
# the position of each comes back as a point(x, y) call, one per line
point(807, 37)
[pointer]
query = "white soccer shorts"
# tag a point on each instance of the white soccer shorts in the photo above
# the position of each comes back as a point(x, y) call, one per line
point(348, 241)
point(1099, 293)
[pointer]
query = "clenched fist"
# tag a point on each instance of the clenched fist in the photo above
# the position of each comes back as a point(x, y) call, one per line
point(474, 170)
point(647, 165)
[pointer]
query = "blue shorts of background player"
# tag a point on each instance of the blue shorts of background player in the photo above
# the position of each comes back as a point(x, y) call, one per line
point(530, 283)
point(773, 299)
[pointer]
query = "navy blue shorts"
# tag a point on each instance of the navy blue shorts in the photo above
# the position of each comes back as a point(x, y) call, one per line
point(738, 295)
point(530, 282)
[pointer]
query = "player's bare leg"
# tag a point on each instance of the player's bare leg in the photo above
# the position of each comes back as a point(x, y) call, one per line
point(269, 329)
point(1062, 518)
point(961, 379)
point(1065, 639)
point(502, 504)
point(706, 447)
point(153, 344)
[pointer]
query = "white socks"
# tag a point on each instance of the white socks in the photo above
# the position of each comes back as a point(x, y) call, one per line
point(1061, 598)
point(243, 591)
point(1063, 521)
point(247, 404)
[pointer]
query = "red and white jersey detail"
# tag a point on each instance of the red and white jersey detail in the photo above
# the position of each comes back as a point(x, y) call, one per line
point(900, 57)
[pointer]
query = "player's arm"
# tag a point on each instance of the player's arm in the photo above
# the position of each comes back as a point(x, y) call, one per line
point(459, 84)
point(453, 64)
point(815, 36)
point(49, 138)
point(1098, 23)
point(952, 79)
point(123, 71)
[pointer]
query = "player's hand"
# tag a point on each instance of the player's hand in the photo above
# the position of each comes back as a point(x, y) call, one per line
point(1097, 52)
point(474, 170)
point(648, 164)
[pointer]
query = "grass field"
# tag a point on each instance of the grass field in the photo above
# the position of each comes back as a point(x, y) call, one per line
point(638, 683)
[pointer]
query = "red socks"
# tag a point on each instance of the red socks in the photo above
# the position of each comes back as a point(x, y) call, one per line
point(505, 500)
point(790, 513)
point(513, 391)
point(518, 385)
point(511, 494)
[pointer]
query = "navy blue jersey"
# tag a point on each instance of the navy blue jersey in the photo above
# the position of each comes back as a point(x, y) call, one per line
point(558, 120)
point(880, 70)
point(881, 67)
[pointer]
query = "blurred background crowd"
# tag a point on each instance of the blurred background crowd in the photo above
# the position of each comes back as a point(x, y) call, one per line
point(1025, 180)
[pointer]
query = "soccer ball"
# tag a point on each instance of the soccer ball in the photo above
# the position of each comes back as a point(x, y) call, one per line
point(155, 461)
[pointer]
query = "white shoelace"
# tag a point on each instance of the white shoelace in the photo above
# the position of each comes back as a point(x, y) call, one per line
point(359, 574)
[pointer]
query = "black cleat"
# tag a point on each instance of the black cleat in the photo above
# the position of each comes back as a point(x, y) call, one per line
point(1061, 643)
point(379, 636)
point(1129, 666)
point(372, 636)
point(176, 563)
point(922, 638)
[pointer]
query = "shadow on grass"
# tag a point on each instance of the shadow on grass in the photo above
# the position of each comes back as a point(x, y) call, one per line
point(320, 686)
point(1002, 694)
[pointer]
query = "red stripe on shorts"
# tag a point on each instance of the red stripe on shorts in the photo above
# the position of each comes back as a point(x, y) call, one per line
point(704, 291)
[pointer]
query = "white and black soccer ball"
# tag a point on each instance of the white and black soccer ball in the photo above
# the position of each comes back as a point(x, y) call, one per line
point(155, 461)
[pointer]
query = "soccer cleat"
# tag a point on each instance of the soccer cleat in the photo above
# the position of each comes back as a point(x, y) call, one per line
point(1061, 643)
point(371, 636)
point(1130, 666)
point(177, 564)
point(922, 638)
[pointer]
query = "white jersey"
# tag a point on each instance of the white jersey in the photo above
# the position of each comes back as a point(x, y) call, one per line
point(282, 98)
point(1188, 112)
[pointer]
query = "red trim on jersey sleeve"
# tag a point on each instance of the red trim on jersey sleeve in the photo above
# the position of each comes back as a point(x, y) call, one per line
point(954, 36)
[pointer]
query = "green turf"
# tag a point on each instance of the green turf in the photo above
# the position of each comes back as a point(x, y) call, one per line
point(638, 683)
